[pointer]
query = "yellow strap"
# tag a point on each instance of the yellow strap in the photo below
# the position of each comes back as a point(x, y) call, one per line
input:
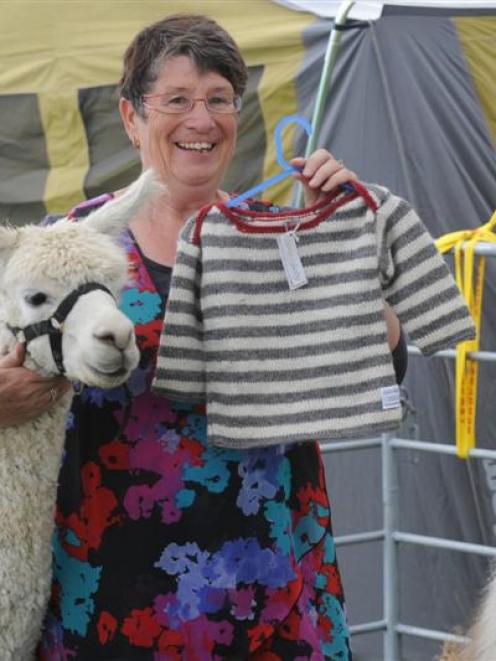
point(466, 369)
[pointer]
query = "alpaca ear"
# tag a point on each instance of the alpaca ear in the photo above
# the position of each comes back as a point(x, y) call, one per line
point(112, 218)
point(8, 240)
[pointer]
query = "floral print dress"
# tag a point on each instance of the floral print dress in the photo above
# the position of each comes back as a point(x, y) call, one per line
point(169, 549)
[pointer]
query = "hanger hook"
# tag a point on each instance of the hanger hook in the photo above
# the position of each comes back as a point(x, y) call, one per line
point(289, 119)
point(288, 169)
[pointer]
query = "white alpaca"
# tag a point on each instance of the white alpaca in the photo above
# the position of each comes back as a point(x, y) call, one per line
point(482, 633)
point(482, 645)
point(39, 267)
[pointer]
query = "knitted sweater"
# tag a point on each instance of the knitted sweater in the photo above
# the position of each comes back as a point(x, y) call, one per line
point(278, 365)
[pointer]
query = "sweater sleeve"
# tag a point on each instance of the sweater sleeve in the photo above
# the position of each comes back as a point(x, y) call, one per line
point(416, 281)
point(180, 370)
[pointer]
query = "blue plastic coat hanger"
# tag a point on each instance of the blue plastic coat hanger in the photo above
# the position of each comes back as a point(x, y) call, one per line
point(288, 169)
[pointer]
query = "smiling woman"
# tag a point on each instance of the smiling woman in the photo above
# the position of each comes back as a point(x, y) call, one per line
point(180, 134)
point(166, 547)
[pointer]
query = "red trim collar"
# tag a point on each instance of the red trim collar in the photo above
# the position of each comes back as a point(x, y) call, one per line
point(325, 207)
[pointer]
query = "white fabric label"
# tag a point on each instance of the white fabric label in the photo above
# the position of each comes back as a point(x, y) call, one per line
point(390, 396)
point(293, 268)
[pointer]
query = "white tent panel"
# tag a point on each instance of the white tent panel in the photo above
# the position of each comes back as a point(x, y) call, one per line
point(370, 10)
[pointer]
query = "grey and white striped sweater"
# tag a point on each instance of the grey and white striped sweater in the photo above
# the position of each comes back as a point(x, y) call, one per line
point(276, 365)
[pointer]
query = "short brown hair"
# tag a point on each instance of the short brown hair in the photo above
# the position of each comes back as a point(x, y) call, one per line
point(203, 40)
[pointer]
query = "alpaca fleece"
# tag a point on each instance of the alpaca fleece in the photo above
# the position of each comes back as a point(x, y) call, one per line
point(27, 515)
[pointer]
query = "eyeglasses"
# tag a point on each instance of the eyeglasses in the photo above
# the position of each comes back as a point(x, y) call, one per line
point(177, 104)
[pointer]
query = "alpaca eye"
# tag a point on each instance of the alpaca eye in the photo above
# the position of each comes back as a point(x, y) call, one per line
point(36, 299)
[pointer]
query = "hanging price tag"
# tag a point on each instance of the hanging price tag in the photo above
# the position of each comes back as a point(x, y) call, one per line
point(293, 268)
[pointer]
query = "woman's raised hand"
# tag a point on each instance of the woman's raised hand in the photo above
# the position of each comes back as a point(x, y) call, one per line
point(320, 174)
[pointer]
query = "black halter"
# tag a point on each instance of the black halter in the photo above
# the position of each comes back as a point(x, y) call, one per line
point(54, 326)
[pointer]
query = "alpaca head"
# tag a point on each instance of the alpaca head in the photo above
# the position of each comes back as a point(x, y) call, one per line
point(41, 266)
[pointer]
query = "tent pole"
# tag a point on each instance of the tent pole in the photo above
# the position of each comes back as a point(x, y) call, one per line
point(327, 69)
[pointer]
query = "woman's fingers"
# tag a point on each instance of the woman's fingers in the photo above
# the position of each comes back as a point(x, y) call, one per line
point(24, 395)
point(320, 174)
point(14, 358)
